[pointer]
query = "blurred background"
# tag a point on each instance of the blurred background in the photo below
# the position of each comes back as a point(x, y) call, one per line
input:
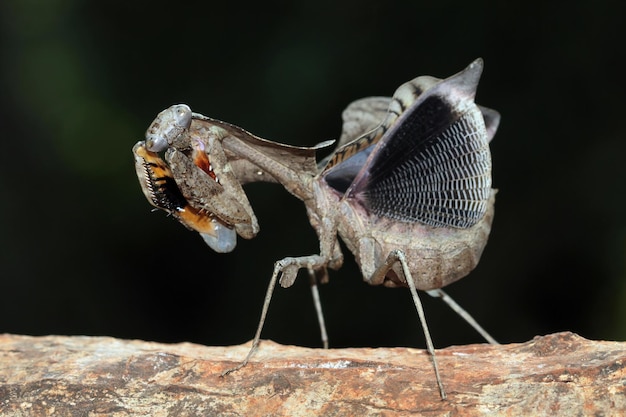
point(81, 252)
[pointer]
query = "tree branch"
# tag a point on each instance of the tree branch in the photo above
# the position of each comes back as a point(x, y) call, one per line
point(559, 374)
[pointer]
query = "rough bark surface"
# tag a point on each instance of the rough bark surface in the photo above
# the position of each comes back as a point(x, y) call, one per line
point(559, 374)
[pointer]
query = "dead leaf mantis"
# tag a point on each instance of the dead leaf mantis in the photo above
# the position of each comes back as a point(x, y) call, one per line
point(408, 188)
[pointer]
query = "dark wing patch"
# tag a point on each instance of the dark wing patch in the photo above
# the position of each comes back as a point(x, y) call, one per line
point(432, 164)
point(435, 169)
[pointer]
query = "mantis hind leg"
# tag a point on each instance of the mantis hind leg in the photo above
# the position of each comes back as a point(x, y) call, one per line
point(439, 293)
point(399, 256)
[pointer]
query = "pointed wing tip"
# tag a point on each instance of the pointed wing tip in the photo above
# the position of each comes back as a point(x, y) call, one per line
point(492, 121)
point(474, 69)
point(478, 63)
point(467, 80)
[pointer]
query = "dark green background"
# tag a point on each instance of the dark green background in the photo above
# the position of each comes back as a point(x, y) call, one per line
point(81, 252)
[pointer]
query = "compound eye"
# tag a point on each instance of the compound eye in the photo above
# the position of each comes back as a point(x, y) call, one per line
point(156, 142)
point(167, 126)
point(182, 114)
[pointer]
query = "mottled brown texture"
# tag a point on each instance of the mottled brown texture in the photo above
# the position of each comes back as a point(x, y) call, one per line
point(560, 374)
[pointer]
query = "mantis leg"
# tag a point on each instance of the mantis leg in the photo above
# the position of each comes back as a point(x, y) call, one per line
point(399, 256)
point(286, 269)
point(439, 293)
point(318, 307)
